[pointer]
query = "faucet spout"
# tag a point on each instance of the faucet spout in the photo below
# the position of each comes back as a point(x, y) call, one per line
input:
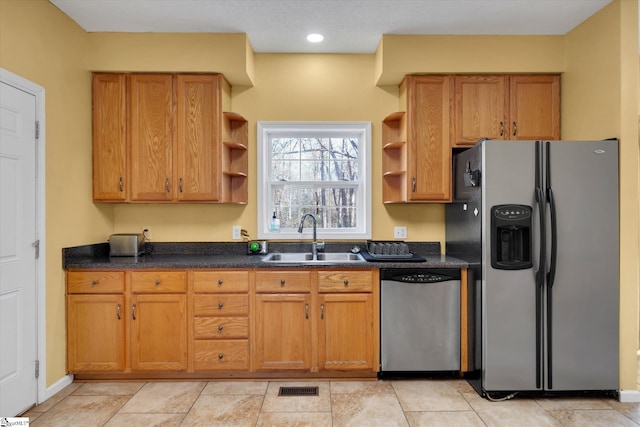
point(315, 246)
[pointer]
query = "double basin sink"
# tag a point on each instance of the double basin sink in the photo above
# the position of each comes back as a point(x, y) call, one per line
point(307, 258)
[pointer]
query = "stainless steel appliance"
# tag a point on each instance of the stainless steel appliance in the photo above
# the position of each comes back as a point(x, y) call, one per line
point(420, 320)
point(538, 221)
point(126, 244)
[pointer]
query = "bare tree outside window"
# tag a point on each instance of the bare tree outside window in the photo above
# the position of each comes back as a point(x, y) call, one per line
point(315, 172)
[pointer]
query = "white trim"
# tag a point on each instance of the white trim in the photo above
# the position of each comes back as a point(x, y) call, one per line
point(37, 91)
point(629, 396)
point(268, 128)
point(56, 387)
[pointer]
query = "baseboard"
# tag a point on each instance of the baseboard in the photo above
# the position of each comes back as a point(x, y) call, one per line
point(56, 387)
point(629, 396)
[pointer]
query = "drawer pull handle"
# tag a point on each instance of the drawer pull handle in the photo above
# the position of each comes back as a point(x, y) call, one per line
point(220, 328)
point(281, 282)
point(321, 311)
point(413, 185)
point(220, 305)
point(306, 311)
point(346, 282)
point(220, 356)
point(157, 282)
point(219, 282)
point(180, 185)
point(118, 312)
point(515, 129)
point(94, 282)
point(166, 184)
point(133, 312)
point(120, 185)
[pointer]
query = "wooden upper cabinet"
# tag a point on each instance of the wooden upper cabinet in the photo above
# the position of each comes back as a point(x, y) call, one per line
point(110, 176)
point(507, 107)
point(534, 106)
point(198, 119)
point(165, 138)
point(481, 106)
point(428, 131)
point(151, 136)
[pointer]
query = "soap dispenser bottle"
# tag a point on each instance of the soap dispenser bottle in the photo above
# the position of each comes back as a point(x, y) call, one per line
point(275, 222)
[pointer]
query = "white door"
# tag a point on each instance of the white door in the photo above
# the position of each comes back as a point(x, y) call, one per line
point(18, 337)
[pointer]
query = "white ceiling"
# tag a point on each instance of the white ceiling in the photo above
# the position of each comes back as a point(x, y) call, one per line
point(349, 26)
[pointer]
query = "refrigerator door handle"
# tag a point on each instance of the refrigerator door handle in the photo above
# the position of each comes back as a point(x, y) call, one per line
point(551, 275)
point(540, 273)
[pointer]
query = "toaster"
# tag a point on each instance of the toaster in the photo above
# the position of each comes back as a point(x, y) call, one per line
point(126, 244)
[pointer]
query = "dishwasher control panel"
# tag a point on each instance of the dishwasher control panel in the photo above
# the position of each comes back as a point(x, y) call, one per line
point(421, 275)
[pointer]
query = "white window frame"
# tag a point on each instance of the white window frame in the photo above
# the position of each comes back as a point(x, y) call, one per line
point(267, 130)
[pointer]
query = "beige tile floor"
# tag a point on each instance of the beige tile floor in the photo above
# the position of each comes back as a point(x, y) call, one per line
point(339, 403)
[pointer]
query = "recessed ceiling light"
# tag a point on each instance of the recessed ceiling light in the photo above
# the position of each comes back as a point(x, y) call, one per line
point(315, 38)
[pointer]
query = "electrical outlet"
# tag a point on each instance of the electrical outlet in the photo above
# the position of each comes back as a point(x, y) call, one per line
point(399, 232)
point(147, 233)
point(235, 232)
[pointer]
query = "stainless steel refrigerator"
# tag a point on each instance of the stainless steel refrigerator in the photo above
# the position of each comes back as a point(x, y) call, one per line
point(538, 222)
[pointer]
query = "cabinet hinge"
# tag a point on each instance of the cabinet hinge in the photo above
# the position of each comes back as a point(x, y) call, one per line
point(36, 245)
point(37, 368)
point(37, 129)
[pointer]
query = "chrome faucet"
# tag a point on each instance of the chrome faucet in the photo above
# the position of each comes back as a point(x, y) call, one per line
point(315, 246)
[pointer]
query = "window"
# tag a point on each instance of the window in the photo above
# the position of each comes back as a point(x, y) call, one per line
point(321, 168)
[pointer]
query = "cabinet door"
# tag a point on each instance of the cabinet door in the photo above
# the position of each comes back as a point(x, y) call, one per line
point(481, 106)
point(346, 332)
point(198, 137)
point(95, 333)
point(535, 107)
point(159, 332)
point(110, 179)
point(151, 137)
point(428, 120)
point(283, 332)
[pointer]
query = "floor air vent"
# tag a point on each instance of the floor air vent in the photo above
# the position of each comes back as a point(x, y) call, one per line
point(298, 391)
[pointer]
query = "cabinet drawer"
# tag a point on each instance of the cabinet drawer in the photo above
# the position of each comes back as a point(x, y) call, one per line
point(221, 281)
point(158, 281)
point(345, 281)
point(283, 281)
point(215, 328)
point(221, 305)
point(221, 355)
point(95, 282)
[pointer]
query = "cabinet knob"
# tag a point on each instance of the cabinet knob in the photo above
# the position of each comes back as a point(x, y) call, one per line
point(220, 306)
point(346, 282)
point(157, 282)
point(180, 185)
point(219, 282)
point(281, 282)
point(166, 184)
point(220, 356)
point(94, 282)
point(501, 128)
point(120, 185)
point(413, 185)
point(220, 328)
point(515, 129)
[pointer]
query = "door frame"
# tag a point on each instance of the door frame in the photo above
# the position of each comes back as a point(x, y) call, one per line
point(38, 91)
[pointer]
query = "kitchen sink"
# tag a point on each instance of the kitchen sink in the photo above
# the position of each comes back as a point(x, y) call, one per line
point(307, 258)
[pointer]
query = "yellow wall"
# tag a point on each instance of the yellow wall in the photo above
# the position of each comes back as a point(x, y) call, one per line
point(600, 100)
point(43, 45)
point(297, 87)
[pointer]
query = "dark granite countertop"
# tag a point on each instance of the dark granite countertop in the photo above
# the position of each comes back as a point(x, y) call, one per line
point(234, 255)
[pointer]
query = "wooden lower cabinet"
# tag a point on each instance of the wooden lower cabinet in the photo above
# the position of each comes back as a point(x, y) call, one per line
point(159, 332)
point(346, 332)
point(95, 333)
point(283, 332)
point(222, 323)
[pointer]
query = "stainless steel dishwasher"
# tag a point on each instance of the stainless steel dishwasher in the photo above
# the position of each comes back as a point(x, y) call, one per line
point(420, 320)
